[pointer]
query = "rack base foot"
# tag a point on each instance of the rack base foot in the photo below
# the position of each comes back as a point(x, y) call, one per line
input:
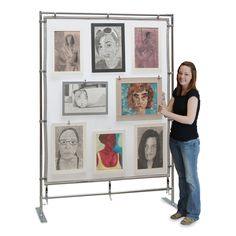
point(41, 215)
point(169, 202)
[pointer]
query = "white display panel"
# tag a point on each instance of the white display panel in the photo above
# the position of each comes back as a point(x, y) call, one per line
point(100, 123)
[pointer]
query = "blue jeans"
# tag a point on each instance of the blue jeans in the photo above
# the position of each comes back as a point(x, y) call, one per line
point(185, 155)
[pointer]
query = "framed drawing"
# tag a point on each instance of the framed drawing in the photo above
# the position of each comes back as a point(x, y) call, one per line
point(85, 98)
point(109, 153)
point(66, 51)
point(68, 159)
point(108, 47)
point(151, 149)
point(138, 98)
point(146, 48)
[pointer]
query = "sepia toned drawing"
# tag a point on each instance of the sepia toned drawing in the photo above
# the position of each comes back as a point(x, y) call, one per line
point(67, 51)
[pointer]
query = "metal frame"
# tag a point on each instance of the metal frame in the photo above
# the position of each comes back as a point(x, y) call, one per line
point(43, 183)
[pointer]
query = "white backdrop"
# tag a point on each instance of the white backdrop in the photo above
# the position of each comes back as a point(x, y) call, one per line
point(100, 122)
point(204, 34)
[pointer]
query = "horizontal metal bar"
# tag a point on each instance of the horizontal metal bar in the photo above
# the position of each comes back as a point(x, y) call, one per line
point(141, 190)
point(106, 17)
point(105, 14)
point(106, 193)
point(105, 179)
point(76, 195)
point(114, 16)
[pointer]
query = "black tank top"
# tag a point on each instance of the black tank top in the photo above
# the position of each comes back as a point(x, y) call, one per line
point(179, 131)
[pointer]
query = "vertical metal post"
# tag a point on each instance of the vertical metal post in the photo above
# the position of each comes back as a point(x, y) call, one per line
point(109, 189)
point(172, 88)
point(40, 208)
point(172, 52)
point(172, 186)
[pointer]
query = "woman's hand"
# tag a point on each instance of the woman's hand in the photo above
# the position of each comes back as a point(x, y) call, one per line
point(163, 110)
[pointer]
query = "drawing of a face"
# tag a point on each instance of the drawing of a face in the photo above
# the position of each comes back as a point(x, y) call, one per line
point(110, 140)
point(107, 47)
point(140, 100)
point(140, 97)
point(68, 143)
point(70, 41)
point(81, 98)
point(150, 148)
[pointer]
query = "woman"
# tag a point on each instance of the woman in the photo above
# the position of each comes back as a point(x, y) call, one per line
point(108, 49)
point(68, 143)
point(107, 158)
point(149, 150)
point(68, 57)
point(183, 109)
point(140, 97)
point(146, 53)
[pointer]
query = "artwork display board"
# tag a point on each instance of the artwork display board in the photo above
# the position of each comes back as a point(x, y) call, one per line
point(104, 78)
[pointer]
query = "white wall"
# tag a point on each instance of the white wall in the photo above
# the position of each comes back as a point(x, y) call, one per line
point(204, 34)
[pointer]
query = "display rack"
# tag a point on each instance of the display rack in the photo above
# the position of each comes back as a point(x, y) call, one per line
point(44, 182)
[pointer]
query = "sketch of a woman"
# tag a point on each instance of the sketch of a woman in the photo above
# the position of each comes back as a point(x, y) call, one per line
point(146, 51)
point(149, 150)
point(108, 49)
point(67, 57)
point(68, 142)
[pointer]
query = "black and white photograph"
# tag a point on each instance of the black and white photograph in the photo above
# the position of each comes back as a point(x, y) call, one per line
point(69, 151)
point(67, 51)
point(150, 148)
point(108, 47)
point(85, 98)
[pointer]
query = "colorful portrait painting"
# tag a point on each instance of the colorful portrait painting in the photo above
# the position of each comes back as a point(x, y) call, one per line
point(138, 98)
point(109, 151)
